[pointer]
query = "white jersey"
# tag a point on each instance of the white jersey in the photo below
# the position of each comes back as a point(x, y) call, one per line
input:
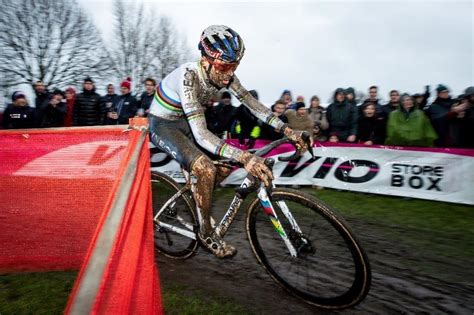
point(180, 95)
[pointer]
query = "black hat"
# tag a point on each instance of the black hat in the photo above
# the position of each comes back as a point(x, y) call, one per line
point(225, 94)
point(441, 88)
point(299, 105)
point(469, 91)
point(58, 92)
point(254, 93)
point(18, 94)
point(88, 79)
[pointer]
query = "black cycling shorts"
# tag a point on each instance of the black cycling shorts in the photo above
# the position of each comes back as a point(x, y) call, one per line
point(176, 139)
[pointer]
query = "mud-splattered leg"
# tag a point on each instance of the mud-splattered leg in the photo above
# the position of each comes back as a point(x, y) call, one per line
point(205, 172)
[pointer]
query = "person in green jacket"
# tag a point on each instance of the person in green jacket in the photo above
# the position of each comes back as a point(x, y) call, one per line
point(409, 126)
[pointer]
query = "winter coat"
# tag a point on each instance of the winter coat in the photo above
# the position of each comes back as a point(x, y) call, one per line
point(53, 116)
point(388, 108)
point(88, 109)
point(297, 122)
point(440, 115)
point(145, 101)
point(269, 132)
point(409, 128)
point(125, 106)
point(342, 119)
point(371, 129)
point(19, 117)
point(42, 98)
point(225, 114)
point(319, 117)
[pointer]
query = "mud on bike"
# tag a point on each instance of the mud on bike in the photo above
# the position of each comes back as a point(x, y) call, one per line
point(306, 247)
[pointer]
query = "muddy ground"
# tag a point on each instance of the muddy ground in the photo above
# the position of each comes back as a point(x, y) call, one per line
point(404, 281)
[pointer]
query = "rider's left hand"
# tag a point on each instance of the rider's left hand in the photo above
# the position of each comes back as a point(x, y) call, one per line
point(295, 137)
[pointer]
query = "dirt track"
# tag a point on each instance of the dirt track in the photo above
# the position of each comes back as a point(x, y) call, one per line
point(397, 286)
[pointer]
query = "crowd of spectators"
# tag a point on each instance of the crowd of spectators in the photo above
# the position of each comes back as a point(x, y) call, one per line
point(406, 120)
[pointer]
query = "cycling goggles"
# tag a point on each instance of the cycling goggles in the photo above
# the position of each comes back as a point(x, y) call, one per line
point(222, 66)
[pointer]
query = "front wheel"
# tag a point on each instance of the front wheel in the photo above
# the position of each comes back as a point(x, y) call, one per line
point(330, 270)
point(175, 227)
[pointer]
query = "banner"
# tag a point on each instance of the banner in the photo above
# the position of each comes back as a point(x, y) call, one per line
point(426, 173)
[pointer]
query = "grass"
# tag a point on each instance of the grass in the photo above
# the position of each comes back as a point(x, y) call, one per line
point(431, 228)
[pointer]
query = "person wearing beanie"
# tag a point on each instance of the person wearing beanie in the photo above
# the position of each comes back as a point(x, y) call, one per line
point(342, 118)
point(70, 95)
point(350, 96)
point(408, 126)
point(298, 118)
point(124, 107)
point(53, 111)
point(441, 112)
point(18, 114)
point(225, 113)
point(88, 108)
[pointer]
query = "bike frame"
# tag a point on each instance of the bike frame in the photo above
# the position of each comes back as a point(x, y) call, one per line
point(226, 221)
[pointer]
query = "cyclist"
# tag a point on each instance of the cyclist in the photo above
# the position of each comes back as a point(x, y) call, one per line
point(178, 126)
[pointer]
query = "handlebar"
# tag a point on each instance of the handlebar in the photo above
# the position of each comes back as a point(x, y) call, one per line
point(307, 139)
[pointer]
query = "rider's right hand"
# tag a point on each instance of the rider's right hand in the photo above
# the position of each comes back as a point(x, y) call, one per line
point(255, 165)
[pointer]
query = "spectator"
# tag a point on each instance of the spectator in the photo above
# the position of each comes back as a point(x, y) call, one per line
point(70, 99)
point(408, 126)
point(350, 96)
point(42, 94)
point(19, 114)
point(461, 122)
point(373, 98)
point(88, 109)
point(392, 105)
point(124, 107)
point(342, 119)
point(298, 119)
point(421, 100)
point(212, 121)
point(225, 113)
point(370, 130)
point(440, 112)
point(53, 111)
point(147, 97)
point(287, 99)
point(317, 114)
point(268, 132)
point(467, 132)
point(109, 99)
point(246, 125)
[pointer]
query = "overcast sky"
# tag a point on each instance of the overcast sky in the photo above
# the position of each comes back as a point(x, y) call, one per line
point(313, 47)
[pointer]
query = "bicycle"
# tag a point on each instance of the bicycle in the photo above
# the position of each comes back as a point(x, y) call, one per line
point(302, 243)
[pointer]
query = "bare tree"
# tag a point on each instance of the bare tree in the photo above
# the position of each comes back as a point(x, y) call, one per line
point(144, 44)
point(49, 40)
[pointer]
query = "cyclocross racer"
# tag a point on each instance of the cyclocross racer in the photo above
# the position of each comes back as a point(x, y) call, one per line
point(178, 125)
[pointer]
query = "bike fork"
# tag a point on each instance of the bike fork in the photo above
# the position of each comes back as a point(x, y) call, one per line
point(270, 211)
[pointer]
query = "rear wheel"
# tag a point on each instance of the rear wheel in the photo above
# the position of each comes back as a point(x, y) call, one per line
point(178, 215)
point(331, 269)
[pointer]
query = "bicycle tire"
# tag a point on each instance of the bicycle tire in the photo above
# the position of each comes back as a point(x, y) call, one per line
point(329, 237)
point(167, 242)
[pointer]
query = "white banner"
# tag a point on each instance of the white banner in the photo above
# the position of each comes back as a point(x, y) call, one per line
point(427, 173)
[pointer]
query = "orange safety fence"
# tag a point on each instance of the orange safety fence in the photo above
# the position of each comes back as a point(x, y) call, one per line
point(80, 198)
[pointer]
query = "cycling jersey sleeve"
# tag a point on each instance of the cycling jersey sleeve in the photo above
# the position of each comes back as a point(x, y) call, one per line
point(194, 113)
point(258, 109)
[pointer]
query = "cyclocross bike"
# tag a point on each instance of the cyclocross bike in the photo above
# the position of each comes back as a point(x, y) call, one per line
point(302, 243)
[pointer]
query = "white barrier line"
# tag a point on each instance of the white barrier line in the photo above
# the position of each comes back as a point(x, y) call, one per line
point(89, 286)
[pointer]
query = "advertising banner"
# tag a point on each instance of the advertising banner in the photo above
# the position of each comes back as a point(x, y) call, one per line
point(426, 173)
